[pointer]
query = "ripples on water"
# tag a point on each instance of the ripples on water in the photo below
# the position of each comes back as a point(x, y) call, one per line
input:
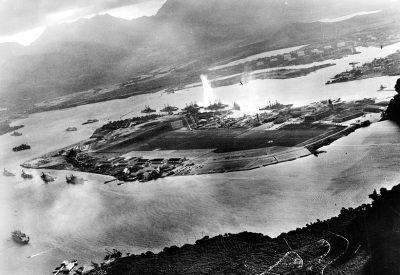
point(67, 222)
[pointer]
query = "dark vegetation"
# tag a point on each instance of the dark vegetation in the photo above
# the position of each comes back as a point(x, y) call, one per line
point(393, 110)
point(372, 232)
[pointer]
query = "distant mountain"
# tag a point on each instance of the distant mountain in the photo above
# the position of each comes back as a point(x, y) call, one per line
point(205, 23)
point(72, 57)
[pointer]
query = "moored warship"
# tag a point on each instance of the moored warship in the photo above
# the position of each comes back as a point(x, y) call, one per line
point(21, 147)
point(46, 177)
point(16, 134)
point(147, 109)
point(73, 179)
point(19, 237)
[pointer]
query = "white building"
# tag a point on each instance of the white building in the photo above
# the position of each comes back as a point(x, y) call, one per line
point(341, 44)
point(286, 56)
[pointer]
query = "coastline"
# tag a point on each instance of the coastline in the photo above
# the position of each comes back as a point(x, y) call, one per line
point(351, 243)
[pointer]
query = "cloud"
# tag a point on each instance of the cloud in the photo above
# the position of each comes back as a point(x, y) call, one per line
point(22, 15)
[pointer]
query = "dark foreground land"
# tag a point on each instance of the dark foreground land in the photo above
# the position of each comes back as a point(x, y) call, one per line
point(364, 240)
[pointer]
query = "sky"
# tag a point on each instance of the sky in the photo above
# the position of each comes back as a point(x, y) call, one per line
point(23, 21)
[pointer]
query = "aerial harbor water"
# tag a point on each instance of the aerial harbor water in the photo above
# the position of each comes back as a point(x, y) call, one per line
point(67, 221)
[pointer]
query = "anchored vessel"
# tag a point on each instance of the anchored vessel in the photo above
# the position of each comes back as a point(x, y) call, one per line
point(26, 175)
point(276, 106)
point(74, 179)
point(8, 173)
point(15, 134)
point(19, 237)
point(24, 146)
point(46, 177)
point(169, 109)
point(147, 109)
point(71, 128)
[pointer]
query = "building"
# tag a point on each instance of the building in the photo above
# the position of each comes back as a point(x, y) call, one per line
point(328, 47)
point(316, 51)
point(341, 44)
point(300, 53)
point(347, 116)
point(274, 59)
point(177, 124)
point(260, 63)
point(286, 56)
point(176, 160)
point(317, 115)
point(373, 109)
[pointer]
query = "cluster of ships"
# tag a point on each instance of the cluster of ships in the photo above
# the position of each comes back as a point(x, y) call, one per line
point(64, 268)
point(46, 177)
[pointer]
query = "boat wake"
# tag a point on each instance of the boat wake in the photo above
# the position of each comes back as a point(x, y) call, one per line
point(41, 253)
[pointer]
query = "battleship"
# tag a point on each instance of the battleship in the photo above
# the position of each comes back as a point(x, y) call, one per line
point(169, 109)
point(90, 121)
point(191, 108)
point(8, 173)
point(147, 110)
point(16, 134)
point(21, 147)
point(216, 106)
point(275, 106)
point(46, 177)
point(26, 175)
point(19, 237)
point(74, 179)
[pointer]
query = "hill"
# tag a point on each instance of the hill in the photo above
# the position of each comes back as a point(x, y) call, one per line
point(73, 57)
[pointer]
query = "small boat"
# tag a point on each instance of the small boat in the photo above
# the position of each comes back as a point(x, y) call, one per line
point(16, 134)
point(381, 88)
point(46, 177)
point(90, 121)
point(71, 128)
point(26, 175)
point(19, 237)
point(8, 173)
point(21, 147)
point(74, 179)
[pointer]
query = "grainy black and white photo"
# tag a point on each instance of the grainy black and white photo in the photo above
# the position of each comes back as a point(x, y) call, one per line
point(187, 137)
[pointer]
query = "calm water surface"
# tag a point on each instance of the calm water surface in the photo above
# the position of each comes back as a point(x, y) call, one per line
point(67, 222)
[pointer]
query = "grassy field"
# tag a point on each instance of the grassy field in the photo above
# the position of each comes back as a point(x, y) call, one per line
point(222, 140)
